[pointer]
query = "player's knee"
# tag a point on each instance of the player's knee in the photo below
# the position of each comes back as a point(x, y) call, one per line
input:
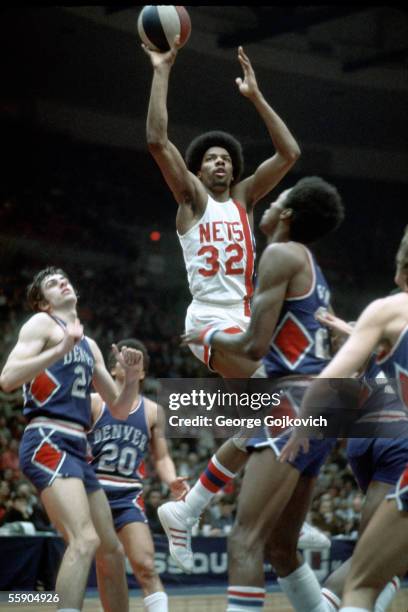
point(111, 546)
point(86, 544)
point(144, 567)
point(110, 556)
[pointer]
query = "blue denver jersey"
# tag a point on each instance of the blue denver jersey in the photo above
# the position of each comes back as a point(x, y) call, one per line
point(62, 391)
point(395, 365)
point(300, 344)
point(118, 448)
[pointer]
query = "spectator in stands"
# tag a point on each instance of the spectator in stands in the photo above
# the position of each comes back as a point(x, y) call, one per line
point(153, 500)
point(222, 525)
point(4, 498)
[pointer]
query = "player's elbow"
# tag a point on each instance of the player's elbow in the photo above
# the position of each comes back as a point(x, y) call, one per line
point(293, 154)
point(6, 383)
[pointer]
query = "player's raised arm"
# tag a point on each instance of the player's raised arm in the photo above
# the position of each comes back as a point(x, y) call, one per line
point(271, 171)
point(28, 359)
point(120, 403)
point(185, 187)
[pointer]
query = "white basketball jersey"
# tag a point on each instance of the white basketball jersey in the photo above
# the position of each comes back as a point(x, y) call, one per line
point(219, 255)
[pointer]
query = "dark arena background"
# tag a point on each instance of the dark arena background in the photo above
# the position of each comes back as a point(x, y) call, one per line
point(79, 190)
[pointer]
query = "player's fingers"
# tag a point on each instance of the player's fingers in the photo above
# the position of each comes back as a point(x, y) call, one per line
point(176, 42)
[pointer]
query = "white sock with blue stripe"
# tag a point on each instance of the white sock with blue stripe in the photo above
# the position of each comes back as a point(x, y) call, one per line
point(245, 599)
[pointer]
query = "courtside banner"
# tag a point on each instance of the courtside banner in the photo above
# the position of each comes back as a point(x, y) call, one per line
point(259, 407)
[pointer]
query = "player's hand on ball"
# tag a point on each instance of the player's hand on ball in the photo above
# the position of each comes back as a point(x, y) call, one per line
point(247, 86)
point(160, 58)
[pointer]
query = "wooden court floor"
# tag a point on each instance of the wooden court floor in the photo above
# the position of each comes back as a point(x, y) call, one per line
point(275, 602)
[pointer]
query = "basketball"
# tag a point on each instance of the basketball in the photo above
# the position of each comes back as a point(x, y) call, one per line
point(159, 24)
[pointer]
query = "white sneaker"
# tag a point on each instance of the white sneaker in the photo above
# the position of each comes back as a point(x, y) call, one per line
point(177, 526)
point(311, 537)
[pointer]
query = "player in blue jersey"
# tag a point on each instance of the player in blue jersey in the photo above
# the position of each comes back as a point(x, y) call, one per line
point(57, 365)
point(376, 461)
point(283, 330)
point(118, 452)
point(382, 549)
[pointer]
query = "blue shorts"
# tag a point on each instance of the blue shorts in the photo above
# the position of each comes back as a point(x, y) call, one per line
point(309, 463)
point(127, 507)
point(51, 449)
point(400, 492)
point(381, 459)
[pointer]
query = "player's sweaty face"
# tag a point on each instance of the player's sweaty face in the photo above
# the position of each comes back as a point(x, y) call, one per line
point(216, 167)
point(270, 218)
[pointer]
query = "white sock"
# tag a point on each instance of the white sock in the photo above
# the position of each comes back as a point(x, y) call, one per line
point(353, 609)
point(245, 598)
point(156, 602)
point(212, 480)
point(332, 602)
point(387, 595)
point(69, 610)
point(303, 590)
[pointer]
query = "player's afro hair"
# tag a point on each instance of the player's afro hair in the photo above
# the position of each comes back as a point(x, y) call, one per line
point(197, 148)
point(317, 209)
point(402, 253)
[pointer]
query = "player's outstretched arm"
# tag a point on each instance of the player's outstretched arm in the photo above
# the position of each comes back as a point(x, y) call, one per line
point(351, 357)
point(185, 187)
point(120, 403)
point(164, 464)
point(29, 357)
point(271, 171)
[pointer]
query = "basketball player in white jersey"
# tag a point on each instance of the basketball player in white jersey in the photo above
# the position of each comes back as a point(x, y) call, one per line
point(214, 218)
point(214, 226)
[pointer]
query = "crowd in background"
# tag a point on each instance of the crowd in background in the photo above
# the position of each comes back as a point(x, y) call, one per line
point(335, 510)
point(84, 203)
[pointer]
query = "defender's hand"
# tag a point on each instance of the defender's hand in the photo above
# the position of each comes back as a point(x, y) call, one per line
point(179, 487)
point(131, 361)
point(293, 445)
point(73, 333)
